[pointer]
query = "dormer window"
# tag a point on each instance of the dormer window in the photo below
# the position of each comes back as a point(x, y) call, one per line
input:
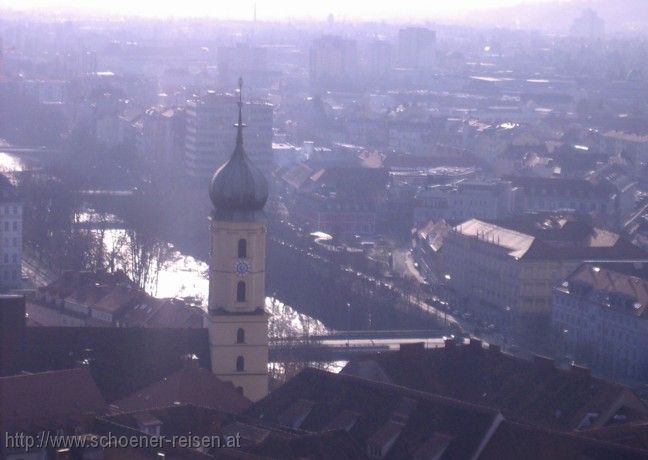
point(296, 414)
point(379, 444)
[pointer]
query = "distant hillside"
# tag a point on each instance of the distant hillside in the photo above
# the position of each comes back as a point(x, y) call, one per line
point(557, 16)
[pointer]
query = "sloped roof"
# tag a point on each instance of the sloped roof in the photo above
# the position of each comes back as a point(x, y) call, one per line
point(297, 175)
point(516, 243)
point(633, 435)
point(352, 181)
point(117, 298)
point(531, 391)
point(164, 313)
point(611, 280)
point(122, 359)
point(563, 187)
point(434, 233)
point(515, 440)
point(189, 385)
point(377, 404)
point(48, 399)
point(547, 236)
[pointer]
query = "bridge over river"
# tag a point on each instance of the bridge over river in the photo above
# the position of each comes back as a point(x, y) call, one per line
point(344, 345)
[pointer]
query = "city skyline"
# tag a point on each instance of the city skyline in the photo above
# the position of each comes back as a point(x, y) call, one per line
point(430, 241)
point(275, 10)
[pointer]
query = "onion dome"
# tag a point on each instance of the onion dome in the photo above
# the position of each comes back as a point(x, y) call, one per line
point(238, 186)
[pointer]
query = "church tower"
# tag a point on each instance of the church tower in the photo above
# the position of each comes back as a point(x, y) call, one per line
point(237, 320)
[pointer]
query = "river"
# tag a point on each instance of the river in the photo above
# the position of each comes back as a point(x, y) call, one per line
point(183, 276)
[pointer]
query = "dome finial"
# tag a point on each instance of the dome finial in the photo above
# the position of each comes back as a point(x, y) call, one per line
point(240, 125)
point(237, 186)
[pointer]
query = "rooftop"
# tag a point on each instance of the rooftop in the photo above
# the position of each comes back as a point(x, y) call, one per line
point(398, 420)
point(551, 236)
point(189, 385)
point(533, 392)
point(516, 243)
point(121, 359)
point(44, 400)
point(622, 289)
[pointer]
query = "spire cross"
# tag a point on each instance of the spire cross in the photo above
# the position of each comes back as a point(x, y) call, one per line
point(240, 125)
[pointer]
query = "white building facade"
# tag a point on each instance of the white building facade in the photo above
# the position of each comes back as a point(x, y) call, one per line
point(599, 319)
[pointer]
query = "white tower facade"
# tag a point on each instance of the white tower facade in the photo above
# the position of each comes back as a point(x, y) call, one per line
point(237, 320)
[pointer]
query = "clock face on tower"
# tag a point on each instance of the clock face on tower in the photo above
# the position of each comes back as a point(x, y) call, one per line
point(241, 267)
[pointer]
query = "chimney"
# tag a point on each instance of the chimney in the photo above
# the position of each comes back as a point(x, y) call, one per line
point(475, 344)
point(12, 333)
point(450, 343)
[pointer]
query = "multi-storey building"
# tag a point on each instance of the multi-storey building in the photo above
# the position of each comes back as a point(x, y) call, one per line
point(598, 199)
point(163, 132)
point(417, 48)
point(330, 200)
point(333, 60)
point(46, 91)
point(208, 140)
point(464, 200)
point(11, 225)
point(379, 60)
point(599, 318)
point(242, 60)
point(588, 26)
point(511, 268)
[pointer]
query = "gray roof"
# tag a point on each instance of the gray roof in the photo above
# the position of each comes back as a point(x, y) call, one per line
point(516, 243)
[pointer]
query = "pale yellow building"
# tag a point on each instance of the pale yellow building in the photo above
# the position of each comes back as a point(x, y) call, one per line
point(512, 267)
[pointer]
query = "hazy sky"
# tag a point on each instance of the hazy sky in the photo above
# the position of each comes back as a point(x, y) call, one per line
point(272, 9)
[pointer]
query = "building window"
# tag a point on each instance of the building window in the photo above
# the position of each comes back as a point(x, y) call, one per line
point(240, 291)
point(240, 335)
point(240, 364)
point(242, 248)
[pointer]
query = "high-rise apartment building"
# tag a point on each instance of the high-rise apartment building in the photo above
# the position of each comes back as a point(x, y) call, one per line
point(333, 60)
point(208, 139)
point(417, 48)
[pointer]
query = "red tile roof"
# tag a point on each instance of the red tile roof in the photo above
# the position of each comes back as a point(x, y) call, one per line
point(517, 441)
point(534, 392)
point(422, 415)
point(189, 385)
point(48, 400)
